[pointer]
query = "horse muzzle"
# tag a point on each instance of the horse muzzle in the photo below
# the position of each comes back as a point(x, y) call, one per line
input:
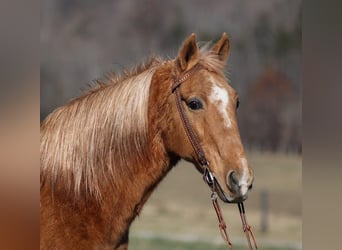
point(238, 188)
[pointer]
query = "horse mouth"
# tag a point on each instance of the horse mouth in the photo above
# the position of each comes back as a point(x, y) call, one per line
point(217, 187)
point(226, 197)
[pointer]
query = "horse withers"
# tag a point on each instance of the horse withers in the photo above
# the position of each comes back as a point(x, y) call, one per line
point(103, 154)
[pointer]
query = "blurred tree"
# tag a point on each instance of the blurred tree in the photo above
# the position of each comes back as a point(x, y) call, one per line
point(283, 42)
point(263, 35)
point(270, 113)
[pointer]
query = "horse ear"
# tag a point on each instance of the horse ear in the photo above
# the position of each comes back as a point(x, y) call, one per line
point(188, 54)
point(222, 47)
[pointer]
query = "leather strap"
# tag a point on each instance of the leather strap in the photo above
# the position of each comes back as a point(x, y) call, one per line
point(187, 126)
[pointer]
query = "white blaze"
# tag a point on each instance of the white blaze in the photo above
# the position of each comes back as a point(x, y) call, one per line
point(243, 181)
point(219, 97)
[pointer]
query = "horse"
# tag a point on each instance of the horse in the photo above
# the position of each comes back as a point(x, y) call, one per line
point(103, 153)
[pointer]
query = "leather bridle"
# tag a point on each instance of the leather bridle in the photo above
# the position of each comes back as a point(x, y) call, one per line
point(201, 159)
point(208, 176)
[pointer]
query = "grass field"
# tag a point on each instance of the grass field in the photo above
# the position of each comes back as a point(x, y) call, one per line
point(158, 244)
point(179, 214)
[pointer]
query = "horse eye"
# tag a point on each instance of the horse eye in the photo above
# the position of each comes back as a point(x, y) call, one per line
point(237, 103)
point(195, 104)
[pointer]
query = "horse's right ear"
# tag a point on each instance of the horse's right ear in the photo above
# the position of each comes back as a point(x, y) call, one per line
point(188, 54)
point(222, 47)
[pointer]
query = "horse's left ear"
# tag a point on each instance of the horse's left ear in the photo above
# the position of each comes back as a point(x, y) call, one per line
point(188, 54)
point(222, 47)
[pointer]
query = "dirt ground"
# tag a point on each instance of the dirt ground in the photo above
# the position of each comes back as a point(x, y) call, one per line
point(181, 206)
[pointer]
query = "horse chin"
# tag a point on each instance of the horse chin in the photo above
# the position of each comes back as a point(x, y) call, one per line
point(226, 197)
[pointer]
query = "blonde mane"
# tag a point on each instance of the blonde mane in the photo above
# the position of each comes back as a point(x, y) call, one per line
point(80, 140)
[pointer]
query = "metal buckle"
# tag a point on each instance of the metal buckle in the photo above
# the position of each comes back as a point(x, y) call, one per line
point(208, 177)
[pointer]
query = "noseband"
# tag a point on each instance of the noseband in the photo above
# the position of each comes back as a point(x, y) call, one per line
point(208, 176)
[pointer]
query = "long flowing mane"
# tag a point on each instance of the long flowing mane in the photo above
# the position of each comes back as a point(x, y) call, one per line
point(105, 126)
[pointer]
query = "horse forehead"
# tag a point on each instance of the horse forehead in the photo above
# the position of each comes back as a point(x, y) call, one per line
point(219, 96)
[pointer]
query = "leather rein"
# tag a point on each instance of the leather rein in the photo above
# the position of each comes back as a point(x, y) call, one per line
point(208, 176)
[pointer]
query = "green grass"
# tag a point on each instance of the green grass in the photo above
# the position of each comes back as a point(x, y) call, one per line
point(163, 244)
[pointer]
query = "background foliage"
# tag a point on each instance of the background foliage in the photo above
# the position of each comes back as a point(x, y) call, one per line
point(82, 40)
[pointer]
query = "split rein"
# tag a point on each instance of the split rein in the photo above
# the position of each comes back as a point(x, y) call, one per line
point(208, 177)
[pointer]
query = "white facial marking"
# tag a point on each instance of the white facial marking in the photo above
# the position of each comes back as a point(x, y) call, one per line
point(219, 97)
point(243, 181)
point(244, 165)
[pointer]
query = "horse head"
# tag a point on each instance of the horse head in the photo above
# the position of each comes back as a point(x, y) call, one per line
point(210, 105)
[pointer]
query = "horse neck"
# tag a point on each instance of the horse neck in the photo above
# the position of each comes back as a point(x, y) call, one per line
point(136, 188)
point(144, 173)
point(123, 192)
point(138, 184)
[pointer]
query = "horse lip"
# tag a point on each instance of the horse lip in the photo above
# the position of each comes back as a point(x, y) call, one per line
point(224, 197)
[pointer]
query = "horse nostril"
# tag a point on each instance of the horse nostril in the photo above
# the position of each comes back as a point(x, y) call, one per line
point(233, 181)
point(250, 187)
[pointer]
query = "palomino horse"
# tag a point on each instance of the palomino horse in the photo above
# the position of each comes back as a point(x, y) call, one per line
point(103, 153)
